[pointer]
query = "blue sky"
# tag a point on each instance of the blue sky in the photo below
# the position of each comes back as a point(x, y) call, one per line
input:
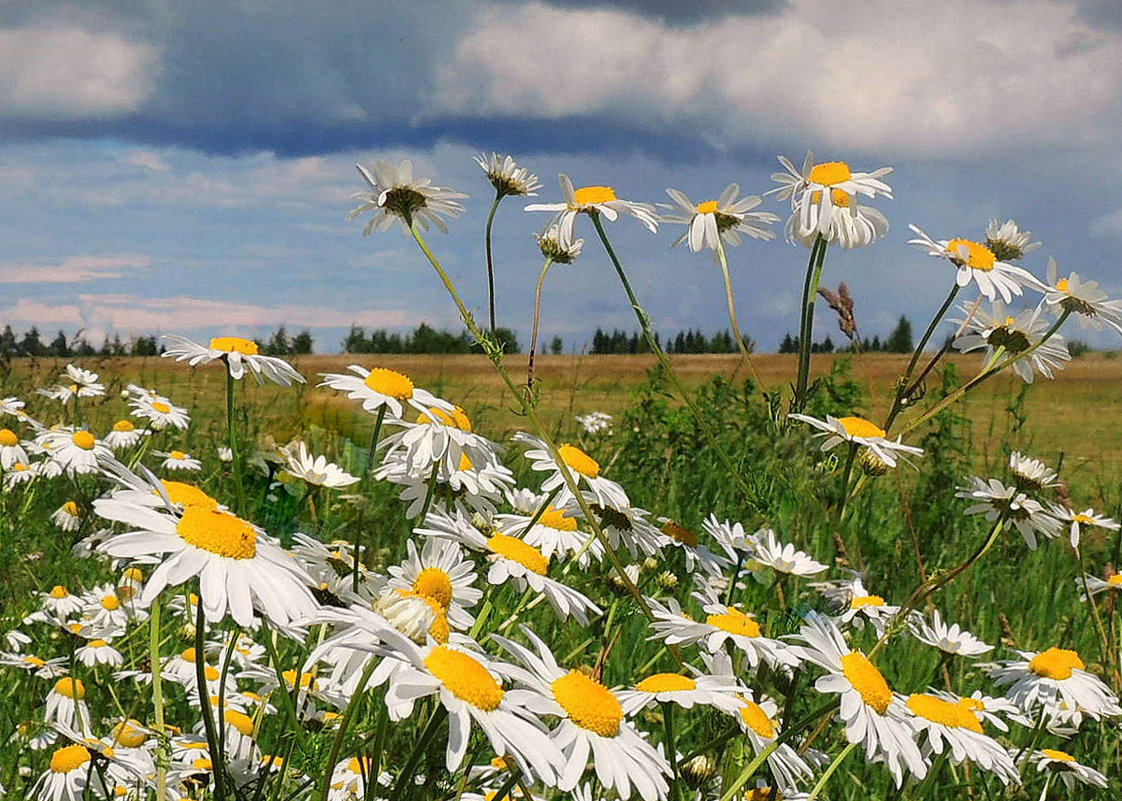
point(186, 166)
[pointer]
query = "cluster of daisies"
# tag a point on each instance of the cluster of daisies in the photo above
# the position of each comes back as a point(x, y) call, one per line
point(258, 637)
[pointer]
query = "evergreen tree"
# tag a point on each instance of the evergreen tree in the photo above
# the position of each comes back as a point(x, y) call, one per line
point(32, 344)
point(900, 340)
point(302, 343)
point(556, 347)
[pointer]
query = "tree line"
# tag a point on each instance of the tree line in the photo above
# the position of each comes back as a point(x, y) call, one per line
point(31, 343)
point(899, 341)
point(424, 339)
point(688, 341)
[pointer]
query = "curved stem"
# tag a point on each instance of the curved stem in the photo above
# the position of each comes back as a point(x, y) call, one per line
point(232, 439)
point(344, 723)
point(722, 262)
point(355, 568)
point(830, 771)
point(806, 320)
point(903, 389)
point(1104, 639)
point(490, 261)
point(214, 746)
point(537, 321)
point(163, 756)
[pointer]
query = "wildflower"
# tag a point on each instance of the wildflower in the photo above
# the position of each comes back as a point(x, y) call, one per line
point(822, 195)
point(161, 412)
point(595, 423)
point(69, 776)
point(593, 200)
point(1084, 298)
point(1031, 474)
point(237, 353)
point(1014, 336)
point(948, 639)
point(381, 387)
point(976, 262)
point(554, 533)
point(99, 652)
point(507, 177)
point(996, 500)
point(1096, 585)
point(1088, 517)
point(395, 194)
point(441, 438)
point(67, 517)
point(124, 434)
point(76, 451)
point(349, 778)
point(585, 472)
point(66, 705)
point(721, 624)
point(948, 723)
point(687, 691)
point(697, 554)
point(318, 472)
point(11, 452)
point(783, 558)
point(1008, 242)
point(725, 218)
point(555, 247)
point(859, 431)
point(440, 572)
point(1069, 769)
point(1053, 678)
point(179, 460)
point(75, 383)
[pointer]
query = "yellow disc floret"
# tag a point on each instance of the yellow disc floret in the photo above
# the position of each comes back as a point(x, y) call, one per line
point(756, 719)
point(735, 622)
point(589, 195)
point(187, 495)
point(111, 603)
point(830, 172)
point(1059, 756)
point(240, 721)
point(465, 677)
point(70, 508)
point(71, 688)
point(161, 407)
point(1056, 663)
point(84, 440)
point(69, 758)
point(124, 426)
point(129, 734)
point(8, 438)
point(434, 583)
point(246, 347)
point(456, 418)
point(59, 591)
point(971, 254)
point(518, 551)
point(708, 207)
point(666, 683)
point(865, 601)
point(218, 532)
point(860, 427)
point(578, 460)
point(390, 383)
point(867, 680)
point(1115, 580)
point(588, 703)
point(555, 518)
point(945, 713)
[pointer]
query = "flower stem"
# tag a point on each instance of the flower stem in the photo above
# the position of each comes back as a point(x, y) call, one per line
point(903, 389)
point(830, 771)
point(362, 518)
point(722, 262)
point(233, 442)
point(214, 746)
point(671, 749)
point(490, 261)
point(344, 724)
point(405, 778)
point(806, 320)
point(163, 755)
point(537, 320)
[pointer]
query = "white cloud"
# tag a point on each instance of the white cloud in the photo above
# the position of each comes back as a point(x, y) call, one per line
point(68, 73)
point(916, 77)
point(71, 270)
point(149, 159)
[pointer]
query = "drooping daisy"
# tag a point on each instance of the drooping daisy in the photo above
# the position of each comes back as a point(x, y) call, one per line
point(722, 624)
point(592, 725)
point(381, 387)
point(74, 450)
point(949, 639)
point(863, 606)
point(1054, 677)
point(1008, 242)
point(507, 177)
point(239, 568)
point(976, 262)
point(441, 440)
point(1096, 585)
point(1014, 335)
point(99, 652)
point(554, 533)
point(75, 383)
point(11, 452)
point(874, 716)
point(396, 195)
point(1070, 771)
point(818, 191)
point(946, 725)
point(1088, 517)
point(626, 526)
point(69, 776)
point(439, 571)
point(859, 431)
point(179, 460)
point(66, 705)
point(1031, 474)
point(584, 470)
point(594, 199)
point(555, 247)
point(161, 412)
point(315, 471)
point(718, 691)
point(783, 558)
point(67, 517)
point(1084, 298)
point(237, 353)
point(20, 473)
point(124, 434)
point(725, 218)
point(997, 500)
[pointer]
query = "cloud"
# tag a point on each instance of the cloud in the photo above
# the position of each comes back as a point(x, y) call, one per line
point(148, 159)
point(74, 269)
point(69, 73)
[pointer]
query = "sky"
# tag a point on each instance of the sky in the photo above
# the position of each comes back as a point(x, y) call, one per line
point(186, 166)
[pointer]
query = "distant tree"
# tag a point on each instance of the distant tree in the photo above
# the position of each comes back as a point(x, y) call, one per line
point(32, 344)
point(145, 346)
point(118, 347)
point(8, 345)
point(789, 344)
point(278, 344)
point(59, 346)
point(507, 339)
point(83, 348)
point(302, 343)
point(555, 346)
point(900, 340)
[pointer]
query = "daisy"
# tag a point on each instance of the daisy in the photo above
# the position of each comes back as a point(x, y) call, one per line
point(66, 705)
point(349, 777)
point(507, 177)
point(722, 624)
point(70, 776)
point(124, 434)
point(595, 423)
point(585, 471)
point(1053, 677)
point(758, 722)
point(874, 716)
point(594, 200)
point(67, 517)
point(439, 439)
point(59, 602)
point(1031, 474)
point(237, 353)
point(948, 639)
point(997, 500)
point(1084, 298)
point(1088, 517)
point(861, 606)
point(469, 691)
point(783, 558)
point(179, 460)
point(380, 388)
point(74, 450)
point(816, 191)
point(11, 405)
point(555, 247)
point(439, 571)
point(628, 526)
point(859, 431)
point(75, 383)
point(42, 668)
point(238, 566)
point(1070, 771)
point(852, 224)
point(318, 471)
point(20, 473)
point(554, 533)
point(11, 452)
point(944, 724)
point(976, 262)
point(1008, 242)
point(724, 218)
point(1014, 336)
point(396, 194)
point(1096, 585)
point(161, 412)
point(697, 554)
point(718, 691)
point(99, 652)
point(592, 725)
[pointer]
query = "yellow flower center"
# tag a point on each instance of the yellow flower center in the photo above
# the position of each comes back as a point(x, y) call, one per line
point(202, 764)
point(124, 426)
point(70, 508)
point(1084, 519)
point(1115, 580)
point(867, 680)
point(973, 704)
point(756, 719)
point(760, 794)
point(59, 591)
point(129, 734)
point(972, 254)
point(218, 532)
point(735, 622)
point(679, 533)
point(1056, 663)
point(240, 721)
point(555, 518)
point(188, 655)
point(455, 418)
point(8, 438)
point(1062, 285)
point(111, 603)
point(177, 455)
point(71, 688)
point(578, 460)
point(306, 679)
point(84, 440)
point(234, 345)
point(98, 643)
point(518, 551)
point(161, 407)
point(434, 583)
point(20, 467)
point(838, 197)
point(945, 713)
point(589, 195)
point(361, 768)
point(211, 673)
point(666, 683)
point(465, 463)
point(465, 678)
point(75, 628)
point(860, 427)
point(390, 383)
point(588, 703)
point(864, 601)
point(186, 495)
point(708, 207)
point(69, 758)
point(1059, 756)
point(830, 173)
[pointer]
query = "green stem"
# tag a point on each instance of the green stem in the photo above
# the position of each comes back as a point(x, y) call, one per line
point(722, 262)
point(1104, 639)
point(405, 778)
point(344, 724)
point(903, 389)
point(213, 744)
point(537, 321)
point(830, 771)
point(233, 442)
point(806, 320)
point(163, 753)
point(362, 518)
point(671, 748)
point(490, 261)
point(540, 511)
point(429, 492)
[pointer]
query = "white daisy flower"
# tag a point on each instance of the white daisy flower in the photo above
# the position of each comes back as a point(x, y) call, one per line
point(1096, 585)
point(42, 668)
point(594, 423)
point(507, 177)
point(722, 624)
point(1031, 474)
point(996, 500)
point(976, 262)
point(70, 777)
point(66, 705)
point(238, 566)
point(74, 450)
point(626, 526)
point(946, 725)
point(783, 558)
point(696, 553)
point(11, 452)
point(124, 434)
point(161, 412)
point(1014, 335)
point(381, 387)
point(816, 191)
point(179, 460)
point(718, 691)
point(1053, 678)
point(349, 778)
point(861, 606)
point(1084, 298)
point(725, 218)
point(75, 383)
point(1008, 242)
point(67, 517)
point(440, 572)
point(396, 195)
point(555, 533)
point(592, 725)
point(59, 602)
point(598, 199)
point(439, 438)
point(20, 473)
point(874, 716)
point(555, 247)
point(16, 640)
point(852, 224)
point(237, 353)
point(11, 405)
point(1088, 517)
point(758, 722)
point(318, 471)
point(949, 639)
point(99, 652)
point(584, 469)
point(859, 431)
point(1070, 771)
